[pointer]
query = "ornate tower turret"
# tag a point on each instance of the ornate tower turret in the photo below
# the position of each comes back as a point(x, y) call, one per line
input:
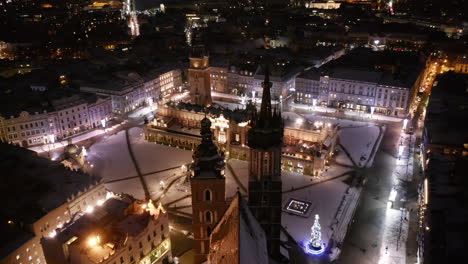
point(198, 73)
point(265, 141)
point(208, 190)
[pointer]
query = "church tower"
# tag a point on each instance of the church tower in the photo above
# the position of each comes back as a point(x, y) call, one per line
point(208, 191)
point(199, 74)
point(265, 140)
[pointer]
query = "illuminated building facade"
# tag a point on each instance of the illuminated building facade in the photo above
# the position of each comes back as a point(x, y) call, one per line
point(208, 190)
point(65, 117)
point(118, 231)
point(130, 90)
point(306, 149)
point(307, 146)
point(199, 74)
point(360, 90)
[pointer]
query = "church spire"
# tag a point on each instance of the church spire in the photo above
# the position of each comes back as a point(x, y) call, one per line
point(208, 160)
point(265, 109)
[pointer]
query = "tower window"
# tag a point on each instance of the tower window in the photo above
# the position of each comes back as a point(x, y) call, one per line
point(208, 216)
point(208, 195)
point(208, 231)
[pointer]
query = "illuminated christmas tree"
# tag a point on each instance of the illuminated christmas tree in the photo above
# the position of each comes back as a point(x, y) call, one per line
point(316, 234)
point(315, 246)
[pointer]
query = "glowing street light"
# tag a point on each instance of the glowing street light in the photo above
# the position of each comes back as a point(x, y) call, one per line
point(405, 122)
point(400, 151)
point(52, 234)
point(89, 209)
point(94, 241)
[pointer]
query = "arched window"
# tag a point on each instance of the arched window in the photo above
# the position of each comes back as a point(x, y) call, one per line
point(208, 195)
point(208, 231)
point(208, 216)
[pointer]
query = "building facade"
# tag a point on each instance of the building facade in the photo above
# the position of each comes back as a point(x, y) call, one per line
point(128, 231)
point(306, 149)
point(307, 87)
point(27, 129)
point(218, 79)
point(368, 91)
point(68, 116)
point(199, 76)
point(130, 91)
point(208, 191)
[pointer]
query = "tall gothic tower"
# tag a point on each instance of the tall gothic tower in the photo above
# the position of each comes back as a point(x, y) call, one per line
point(265, 142)
point(208, 191)
point(199, 74)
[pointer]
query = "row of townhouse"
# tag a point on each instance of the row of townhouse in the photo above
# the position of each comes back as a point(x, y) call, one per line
point(443, 163)
point(130, 90)
point(359, 90)
point(59, 119)
point(247, 78)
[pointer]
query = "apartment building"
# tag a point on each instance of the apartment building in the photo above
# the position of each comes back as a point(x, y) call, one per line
point(307, 87)
point(52, 197)
point(43, 121)
point(130, 90)
point(119, 231)
point(368, 91)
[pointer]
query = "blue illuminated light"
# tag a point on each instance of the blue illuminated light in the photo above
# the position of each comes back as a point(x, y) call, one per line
point(309, 249)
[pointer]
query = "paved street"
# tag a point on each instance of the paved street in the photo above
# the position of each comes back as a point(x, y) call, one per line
point(363, 243)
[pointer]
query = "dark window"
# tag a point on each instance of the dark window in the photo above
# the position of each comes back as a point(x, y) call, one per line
point(208, 231)
point(207, 195)
point(208, 216)
point(140, 244)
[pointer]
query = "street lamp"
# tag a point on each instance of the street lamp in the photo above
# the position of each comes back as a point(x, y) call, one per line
point(400, 150)
point(299, 121)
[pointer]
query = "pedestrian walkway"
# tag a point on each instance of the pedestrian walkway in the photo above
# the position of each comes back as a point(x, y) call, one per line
point(397, 218)
point(346, 114)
